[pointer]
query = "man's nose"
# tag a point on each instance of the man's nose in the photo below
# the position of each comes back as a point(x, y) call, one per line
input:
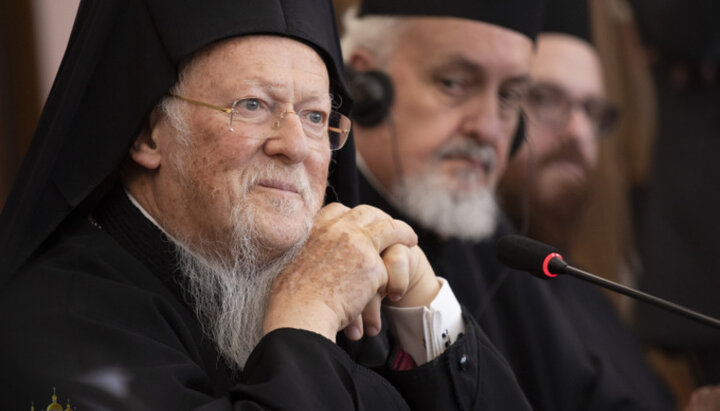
point(287, 138)
point(579, 127)
point(483, 118)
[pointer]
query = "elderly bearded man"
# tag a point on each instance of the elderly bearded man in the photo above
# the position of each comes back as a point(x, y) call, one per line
point(435, 158)
point(165, 245)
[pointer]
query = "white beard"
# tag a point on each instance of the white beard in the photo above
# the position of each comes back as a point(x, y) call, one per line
point(228, 281)
point(229, 297)
point(426, 198)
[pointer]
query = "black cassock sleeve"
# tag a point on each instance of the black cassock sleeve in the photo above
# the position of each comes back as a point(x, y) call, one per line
point(314, 374)
point(135, 352)
point(91, 320)
point(470, 375)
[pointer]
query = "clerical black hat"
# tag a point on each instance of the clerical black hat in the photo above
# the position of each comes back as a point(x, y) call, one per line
point(524, 16)
point(567, 17)
point(121, 60)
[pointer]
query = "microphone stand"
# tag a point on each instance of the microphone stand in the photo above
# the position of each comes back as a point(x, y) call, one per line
point(557, 265)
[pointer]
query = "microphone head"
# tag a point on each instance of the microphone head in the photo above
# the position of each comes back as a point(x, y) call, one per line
point(522, 253)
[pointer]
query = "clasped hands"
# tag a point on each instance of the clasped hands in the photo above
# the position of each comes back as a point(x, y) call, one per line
point(352, 261)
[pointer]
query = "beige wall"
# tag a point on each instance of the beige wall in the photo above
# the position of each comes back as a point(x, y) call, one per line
point(53, 22)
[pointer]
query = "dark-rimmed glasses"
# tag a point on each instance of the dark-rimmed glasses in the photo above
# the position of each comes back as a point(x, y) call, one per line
point(551, 106)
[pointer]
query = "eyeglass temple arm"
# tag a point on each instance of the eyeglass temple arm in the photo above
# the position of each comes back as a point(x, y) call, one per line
point(339, 130)
point(200, 103)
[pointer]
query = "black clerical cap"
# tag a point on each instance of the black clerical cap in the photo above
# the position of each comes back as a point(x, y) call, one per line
point(121, 60)
point(567, 17)
point(524, 16)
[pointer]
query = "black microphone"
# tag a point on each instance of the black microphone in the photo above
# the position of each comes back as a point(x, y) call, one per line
point(544, 261)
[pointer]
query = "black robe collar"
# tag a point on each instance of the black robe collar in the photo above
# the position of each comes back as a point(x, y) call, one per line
point(126, 224)
point(131, 229)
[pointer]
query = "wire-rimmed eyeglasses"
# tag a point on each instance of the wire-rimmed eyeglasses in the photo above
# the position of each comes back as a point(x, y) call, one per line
point(549, 105)
point(316, 124)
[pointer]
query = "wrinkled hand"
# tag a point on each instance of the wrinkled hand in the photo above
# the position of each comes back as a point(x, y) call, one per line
point(411, 283)
point(705, 398)
point(352, 259)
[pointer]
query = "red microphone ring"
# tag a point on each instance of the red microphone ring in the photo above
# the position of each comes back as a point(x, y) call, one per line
point(549, 257)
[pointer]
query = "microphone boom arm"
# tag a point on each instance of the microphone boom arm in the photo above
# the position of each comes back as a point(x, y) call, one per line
point(658, 302)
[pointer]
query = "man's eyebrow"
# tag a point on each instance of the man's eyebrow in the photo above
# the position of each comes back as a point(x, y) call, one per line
point(458, 62)
point(520, 80)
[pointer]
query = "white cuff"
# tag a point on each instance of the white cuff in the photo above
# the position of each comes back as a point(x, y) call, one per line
point(424, 332)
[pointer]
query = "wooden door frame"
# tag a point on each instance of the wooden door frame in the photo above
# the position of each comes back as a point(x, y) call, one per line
point(19, 95)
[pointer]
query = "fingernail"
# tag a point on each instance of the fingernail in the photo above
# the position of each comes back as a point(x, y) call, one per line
point(394, 297)
point(372, 331)
point(355, 333)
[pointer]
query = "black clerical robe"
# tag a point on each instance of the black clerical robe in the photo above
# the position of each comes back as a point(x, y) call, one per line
point(99, 314)
point(564, 343)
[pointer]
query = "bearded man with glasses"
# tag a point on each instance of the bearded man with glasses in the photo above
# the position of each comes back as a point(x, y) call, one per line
point(545, 190)
point(546, 183)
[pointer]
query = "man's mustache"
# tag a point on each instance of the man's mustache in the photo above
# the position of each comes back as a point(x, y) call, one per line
point(292, 178)
point(479, 153)
point(568, 152)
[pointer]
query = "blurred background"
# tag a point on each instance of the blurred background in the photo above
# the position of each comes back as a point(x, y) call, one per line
point(654, 218)
point(33, 36)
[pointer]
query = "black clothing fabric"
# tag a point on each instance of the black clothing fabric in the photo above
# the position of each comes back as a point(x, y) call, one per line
point(694, 34)
point(121, 60)
point(567, 17)
point(100, 314)
point(523, 16)
point(679, 226)
point(567, 349)
point(679, 233)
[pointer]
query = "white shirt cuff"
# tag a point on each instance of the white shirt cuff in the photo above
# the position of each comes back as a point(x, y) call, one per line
point(426, 332)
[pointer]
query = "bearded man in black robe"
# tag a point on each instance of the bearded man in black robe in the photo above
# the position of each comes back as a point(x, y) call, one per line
point(165, 245)
point(459, 74)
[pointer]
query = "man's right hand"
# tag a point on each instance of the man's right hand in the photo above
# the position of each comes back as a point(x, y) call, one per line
point(341, 274)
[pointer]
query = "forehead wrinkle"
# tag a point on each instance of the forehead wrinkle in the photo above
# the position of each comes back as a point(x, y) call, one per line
point(281, 89)
point(483, 44)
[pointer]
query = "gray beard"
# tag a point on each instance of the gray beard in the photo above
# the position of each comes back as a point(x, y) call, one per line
point(426, 199)
point(229, 294)
point(228, 281)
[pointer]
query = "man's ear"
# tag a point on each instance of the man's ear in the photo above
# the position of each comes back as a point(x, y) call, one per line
point(145, 151)
point(362, 60)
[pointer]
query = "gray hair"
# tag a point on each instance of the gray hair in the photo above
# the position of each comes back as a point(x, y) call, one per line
point(376, 34)
point(174, 109)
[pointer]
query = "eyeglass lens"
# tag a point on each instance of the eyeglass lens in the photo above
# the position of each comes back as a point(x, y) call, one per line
point(551, 106)
point(318, 125)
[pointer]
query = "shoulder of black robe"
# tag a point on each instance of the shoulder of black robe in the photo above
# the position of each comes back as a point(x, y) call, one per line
point(121, 59)
point(99, 315)
point(493, 385)
point(550, 351)
point(470, 375)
